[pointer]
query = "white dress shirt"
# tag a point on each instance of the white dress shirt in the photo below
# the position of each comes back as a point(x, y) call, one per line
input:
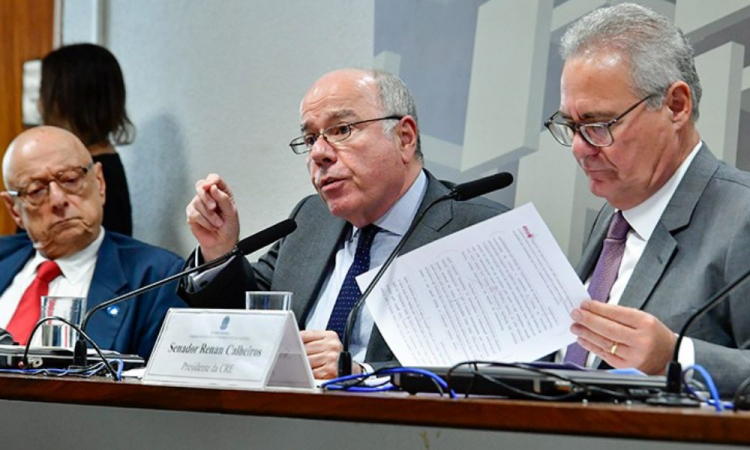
point(643, 219)
point(75, 280)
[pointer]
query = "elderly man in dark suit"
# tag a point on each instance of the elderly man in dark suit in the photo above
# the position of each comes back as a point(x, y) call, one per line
point(676, 226)
point(360, 134)
point(56, 193)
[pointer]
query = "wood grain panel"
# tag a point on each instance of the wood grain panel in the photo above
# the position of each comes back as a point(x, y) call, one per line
point(26, 32)
point(582, 419)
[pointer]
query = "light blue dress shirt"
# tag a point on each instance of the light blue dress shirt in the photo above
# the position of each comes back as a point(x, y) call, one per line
point(393, 224)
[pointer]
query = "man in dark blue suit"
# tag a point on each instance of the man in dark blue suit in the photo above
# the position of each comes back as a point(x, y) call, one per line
point(56, 193)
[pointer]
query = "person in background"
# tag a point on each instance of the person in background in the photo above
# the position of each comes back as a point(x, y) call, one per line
point(83, 91)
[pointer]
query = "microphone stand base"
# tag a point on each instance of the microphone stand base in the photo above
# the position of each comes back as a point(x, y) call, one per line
point(80, 353)
point(345, 364)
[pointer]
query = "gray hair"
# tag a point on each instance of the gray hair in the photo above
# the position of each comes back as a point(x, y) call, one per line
point(396, 100)
point(658, 52)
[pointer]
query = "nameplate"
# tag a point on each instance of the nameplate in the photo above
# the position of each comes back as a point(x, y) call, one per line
point(245, 349)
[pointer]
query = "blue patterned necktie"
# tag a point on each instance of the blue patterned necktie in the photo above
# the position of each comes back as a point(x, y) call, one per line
point(605, 274)
point(350, 292)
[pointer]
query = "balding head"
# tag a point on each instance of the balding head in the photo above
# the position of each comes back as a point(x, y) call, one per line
point(38, 145)
point(54, 191)
point(367, 157)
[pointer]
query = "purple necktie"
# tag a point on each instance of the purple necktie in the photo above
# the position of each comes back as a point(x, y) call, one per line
point(605, 274)
point(350, 293)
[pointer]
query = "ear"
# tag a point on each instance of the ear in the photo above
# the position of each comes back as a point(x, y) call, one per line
point(13, 208)
point(407, 133)
point(102, 190)
point(680, 103)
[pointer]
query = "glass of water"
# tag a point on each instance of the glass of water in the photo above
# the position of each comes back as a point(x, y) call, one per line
point(56, 333)
point(268, 300)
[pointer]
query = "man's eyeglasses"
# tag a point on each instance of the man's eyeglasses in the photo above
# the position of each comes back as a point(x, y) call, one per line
point(597, 134)
point(71, 181)
point(335, 133)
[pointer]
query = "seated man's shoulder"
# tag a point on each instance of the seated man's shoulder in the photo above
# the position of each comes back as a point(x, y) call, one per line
point(482, 205)
point(13, 243)
point(312, 213)
point(141, 252)
point(312, 204)
point(728, 177)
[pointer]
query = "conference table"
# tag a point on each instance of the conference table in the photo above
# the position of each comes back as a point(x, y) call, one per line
point(37, 412)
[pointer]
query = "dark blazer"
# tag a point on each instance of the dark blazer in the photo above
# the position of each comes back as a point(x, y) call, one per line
point(123, 264)
point(118, 216)
point(301, 262)
point(701, 243)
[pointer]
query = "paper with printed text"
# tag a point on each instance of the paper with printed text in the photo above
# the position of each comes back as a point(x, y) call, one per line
point(500, 290)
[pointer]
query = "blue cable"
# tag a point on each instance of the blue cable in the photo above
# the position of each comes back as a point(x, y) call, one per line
point(715, 400)
point(335, 384)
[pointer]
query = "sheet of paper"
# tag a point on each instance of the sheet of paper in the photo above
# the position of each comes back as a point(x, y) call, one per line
point(501, 290)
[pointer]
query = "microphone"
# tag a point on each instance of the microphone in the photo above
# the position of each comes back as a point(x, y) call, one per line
point(460, 193)
point(243, 247)
point(471, 189)
point(674, 368)
point(262, 238)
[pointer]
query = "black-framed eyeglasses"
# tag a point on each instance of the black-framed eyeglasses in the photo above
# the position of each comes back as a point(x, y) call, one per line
point(71, 181)
point(332, 134)
point(597, 134)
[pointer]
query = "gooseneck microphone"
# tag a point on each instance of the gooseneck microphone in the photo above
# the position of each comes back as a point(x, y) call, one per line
point(472, 189)
point(674, 368)
point(243, 247)
point(461, 192)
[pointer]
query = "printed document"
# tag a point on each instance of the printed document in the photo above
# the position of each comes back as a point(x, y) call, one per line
point(500, 290)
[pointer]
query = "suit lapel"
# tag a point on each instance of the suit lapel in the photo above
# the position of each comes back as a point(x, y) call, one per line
point(317, 267)
point(13, 264)
point(426, 232)
point(662, 245)
point(650, 268)
point(438, 216)
point(108, 282)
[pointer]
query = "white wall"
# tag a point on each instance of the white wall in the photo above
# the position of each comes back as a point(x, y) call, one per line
point(215, 87)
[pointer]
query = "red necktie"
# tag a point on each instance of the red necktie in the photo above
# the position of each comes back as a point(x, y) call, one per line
point(30, 307)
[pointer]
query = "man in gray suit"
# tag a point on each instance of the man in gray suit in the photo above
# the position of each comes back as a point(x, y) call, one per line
point(360, 134)
point(629, 103)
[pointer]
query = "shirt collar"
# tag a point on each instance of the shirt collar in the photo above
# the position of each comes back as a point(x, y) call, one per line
point(75, 266)
point(644, 217)
point(398, 219)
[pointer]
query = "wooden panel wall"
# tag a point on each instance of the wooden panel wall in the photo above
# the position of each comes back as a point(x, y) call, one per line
point(26, 32)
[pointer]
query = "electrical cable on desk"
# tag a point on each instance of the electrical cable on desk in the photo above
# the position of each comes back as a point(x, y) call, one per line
point(354, 383)
point(715, 400)
point(82, 372)
point(585, 390)
point(104, 361)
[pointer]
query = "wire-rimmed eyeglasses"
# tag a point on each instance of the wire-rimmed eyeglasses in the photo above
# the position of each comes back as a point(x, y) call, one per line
point(332, 134)
point(71, 181)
